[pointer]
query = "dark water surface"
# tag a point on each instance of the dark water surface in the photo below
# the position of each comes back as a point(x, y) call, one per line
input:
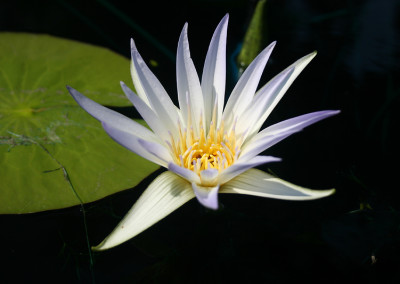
point(249, 239)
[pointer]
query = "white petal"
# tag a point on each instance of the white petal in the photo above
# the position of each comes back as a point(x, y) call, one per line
point(298, 66)
point(299, 122)
point(240, 167)
point(131, 142)
point(256, 147)
point(189, 90)
point(261, 102)
point(184, 172)
point(163, 196)
point(214, 72)
point(207, 196)
point(112, 118)
point(279, 131)
point(258, 183)
point(158, 98)
point(244, 91)
point(147, 113)
point(157, 150)
point(135, 77)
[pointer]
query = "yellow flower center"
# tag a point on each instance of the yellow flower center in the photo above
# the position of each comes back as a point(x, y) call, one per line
point(218, 150)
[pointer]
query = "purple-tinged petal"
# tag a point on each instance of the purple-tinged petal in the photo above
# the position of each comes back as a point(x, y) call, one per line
point(256, 147)
point(243, 93)
point(207, 196)
point(156, 149)
point(158, 98)
point(131, 142)
point(147, 113)
point(112, 118)
point(214, 73)
point(258, 183)
point(189, 90)
point(261, 102)
point(164, 195)
point(240, 167)
point(140, 90)
point(298, 66)
point(299, 122)
point(184, 172)
point(279, 131)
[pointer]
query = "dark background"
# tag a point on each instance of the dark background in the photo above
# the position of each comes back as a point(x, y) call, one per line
point(351, 236)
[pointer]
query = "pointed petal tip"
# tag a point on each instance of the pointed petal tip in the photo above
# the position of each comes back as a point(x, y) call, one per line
point(267, 51)
point(331, 191)
point(314, 194)
point(70, 89)
point(312, 54)
point(98, 247)
point(163, 196)
point(207, 196)
point(258, 183)
point(328, 192)
point(225, 19)
point(74, 93)
point(185, 27)
point(183, 34)
point(133, 45)
point(103, 246)
point(270, 46)
point(210, 206)
point(305, 59)
point(268, 159)
point(328, 113)
point(95, 248)
point(125, 87)
point(317, 194)
point(213, 207)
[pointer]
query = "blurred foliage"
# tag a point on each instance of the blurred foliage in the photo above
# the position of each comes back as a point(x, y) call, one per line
point(254, 38)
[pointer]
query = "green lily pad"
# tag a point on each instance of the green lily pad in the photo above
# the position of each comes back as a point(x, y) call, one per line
point(52, 153)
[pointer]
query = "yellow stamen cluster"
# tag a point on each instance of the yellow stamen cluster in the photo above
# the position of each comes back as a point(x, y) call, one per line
point(218, 150)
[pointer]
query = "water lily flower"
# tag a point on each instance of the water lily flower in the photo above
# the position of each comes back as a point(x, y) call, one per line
point(207, 149)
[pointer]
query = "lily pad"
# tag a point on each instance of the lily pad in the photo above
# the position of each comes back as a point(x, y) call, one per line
point(52, 153)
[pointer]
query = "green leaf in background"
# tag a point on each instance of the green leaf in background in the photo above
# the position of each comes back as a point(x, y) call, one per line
point(52, 153)
point(253, 40)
